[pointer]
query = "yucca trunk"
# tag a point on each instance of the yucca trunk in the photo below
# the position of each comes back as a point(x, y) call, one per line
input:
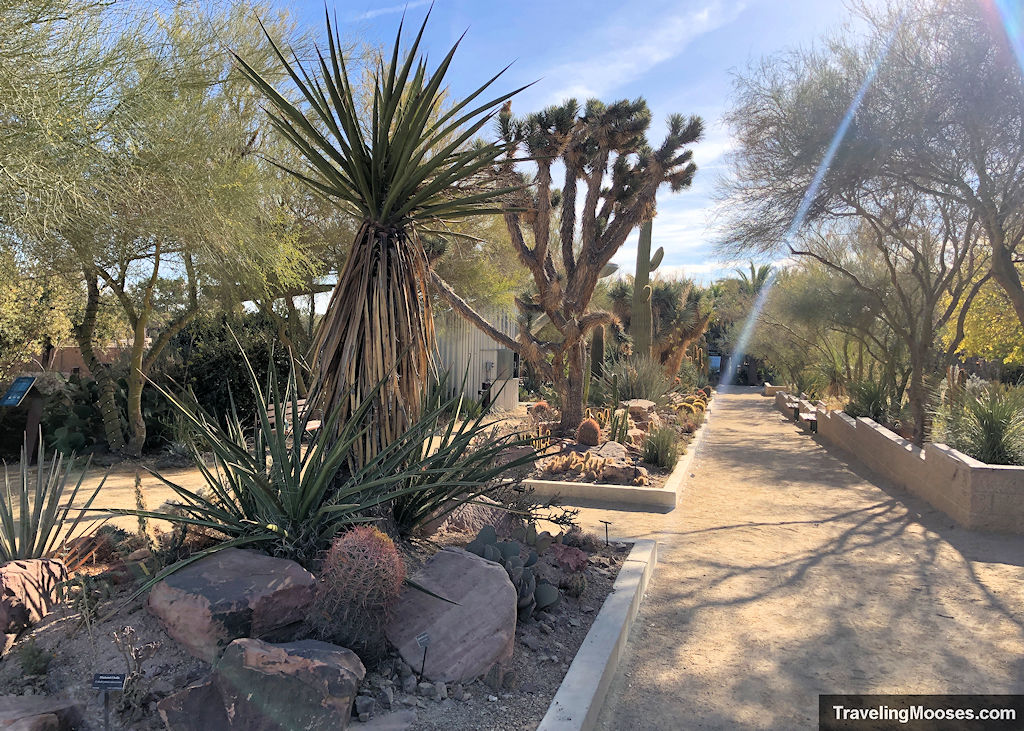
point(377, 328)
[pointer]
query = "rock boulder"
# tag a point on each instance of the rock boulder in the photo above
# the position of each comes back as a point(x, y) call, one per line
point(28, 590)
point(39, 713)
point(296, 685)
point(467, 638)
point(639, 408)
point(231, 594)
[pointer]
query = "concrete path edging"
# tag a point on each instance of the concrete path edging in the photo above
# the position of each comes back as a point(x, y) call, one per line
point(581, 695)
point(628, 497)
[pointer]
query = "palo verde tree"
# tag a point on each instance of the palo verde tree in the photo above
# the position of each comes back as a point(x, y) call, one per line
point(566, 237)
point(392, 174)
point(943, 116)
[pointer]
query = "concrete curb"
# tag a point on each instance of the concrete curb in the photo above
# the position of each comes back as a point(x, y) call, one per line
point(581, 695)
point(627, 497)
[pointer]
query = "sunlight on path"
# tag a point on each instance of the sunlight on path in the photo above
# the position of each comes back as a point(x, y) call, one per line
point(787, 572)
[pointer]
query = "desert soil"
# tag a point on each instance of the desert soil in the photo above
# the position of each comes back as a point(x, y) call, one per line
point(789, 571)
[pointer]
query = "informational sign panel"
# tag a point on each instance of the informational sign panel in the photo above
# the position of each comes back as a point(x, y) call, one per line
point(16, 393)
point(108, 681)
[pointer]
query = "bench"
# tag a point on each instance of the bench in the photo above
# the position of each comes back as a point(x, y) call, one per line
point(311, 426)
point(811, 418)
point(795, 407)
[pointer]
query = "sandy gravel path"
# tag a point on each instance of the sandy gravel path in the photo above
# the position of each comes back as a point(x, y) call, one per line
point(787, 572)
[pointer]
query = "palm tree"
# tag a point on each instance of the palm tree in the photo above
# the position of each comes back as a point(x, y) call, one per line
point(411, 164)
point(756, 281)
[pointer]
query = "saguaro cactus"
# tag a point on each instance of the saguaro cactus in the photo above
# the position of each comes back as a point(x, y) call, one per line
point(597, 352)
point(641, 318)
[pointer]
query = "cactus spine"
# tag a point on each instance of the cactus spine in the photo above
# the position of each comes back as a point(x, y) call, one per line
point(641, 318)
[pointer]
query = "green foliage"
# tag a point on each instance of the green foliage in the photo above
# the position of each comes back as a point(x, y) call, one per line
point(988, 426)
point(661, 447)
point(808, 381)
point(359, 582)
point(637, 377)
point(35, 508)
point(868, 399)
point(208, 357)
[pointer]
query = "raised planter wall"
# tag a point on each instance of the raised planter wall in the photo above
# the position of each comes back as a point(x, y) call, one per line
point(976, 495)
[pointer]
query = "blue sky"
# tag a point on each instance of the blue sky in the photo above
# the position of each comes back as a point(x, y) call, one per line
point(677, 55)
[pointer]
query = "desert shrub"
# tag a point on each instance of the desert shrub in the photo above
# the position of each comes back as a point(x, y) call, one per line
point(987, 425)
point(808, 381)
point(360, 581)
point(636, 377)
point(577, 538)
point(33, 659)
point(209, 357)
point(689, 377)
point(661, 448)
point(868, 399)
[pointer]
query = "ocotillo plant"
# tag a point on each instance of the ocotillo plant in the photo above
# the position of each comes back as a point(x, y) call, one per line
point(641, 321)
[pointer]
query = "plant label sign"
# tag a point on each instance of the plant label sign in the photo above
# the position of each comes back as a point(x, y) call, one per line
point(108, 681)
point(423, 640)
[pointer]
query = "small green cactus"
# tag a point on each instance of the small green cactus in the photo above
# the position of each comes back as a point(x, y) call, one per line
point(575, 584)
point(588, 433)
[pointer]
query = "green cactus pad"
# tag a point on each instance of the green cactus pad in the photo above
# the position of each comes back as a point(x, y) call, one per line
point(547, 596)
point(509, 549)
point(488, 535)
point(492, 554)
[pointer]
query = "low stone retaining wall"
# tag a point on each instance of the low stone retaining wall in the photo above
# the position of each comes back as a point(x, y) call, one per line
point(976, 495)
point(770, 390)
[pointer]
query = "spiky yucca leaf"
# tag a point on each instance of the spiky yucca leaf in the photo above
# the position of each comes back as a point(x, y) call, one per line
point(410, 162)
point(33, 521)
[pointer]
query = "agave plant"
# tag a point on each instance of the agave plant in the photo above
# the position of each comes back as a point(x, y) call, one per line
point(268, 489)
point(34, 523)
point(407, 166)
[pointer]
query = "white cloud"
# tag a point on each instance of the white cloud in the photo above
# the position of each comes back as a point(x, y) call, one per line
point(633, 54)
point(391, 10)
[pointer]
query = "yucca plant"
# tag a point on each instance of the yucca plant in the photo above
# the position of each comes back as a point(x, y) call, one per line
point(988, 426)
point(408, 166)
point(661, 447)
point(34, 523)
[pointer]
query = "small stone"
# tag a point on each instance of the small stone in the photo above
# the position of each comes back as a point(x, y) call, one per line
point(457, 692)
point(364, 717)
point(531, 642)
point(426, 690)
point(574, 622)
point(365, 704)
point(409, 684)
point(441, 690)
point(506, 696)
point(559, 645)
point(404, 671)
point(587, 610)
point(492, 698)
point(386, 697)
point(545, 628)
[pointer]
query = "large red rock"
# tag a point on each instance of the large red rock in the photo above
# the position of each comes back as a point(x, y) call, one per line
point(38, 713)
point(28, 590)
point(467, 638)
point(297, 685)
point(231, 594)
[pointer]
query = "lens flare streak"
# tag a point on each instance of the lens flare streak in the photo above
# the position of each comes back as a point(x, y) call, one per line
point(801, 212)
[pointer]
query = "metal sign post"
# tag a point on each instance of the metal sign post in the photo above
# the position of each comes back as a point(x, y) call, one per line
point(108, 682)
point(423, 641)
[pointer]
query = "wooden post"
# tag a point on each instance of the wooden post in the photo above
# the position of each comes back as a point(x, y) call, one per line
point(35, 416)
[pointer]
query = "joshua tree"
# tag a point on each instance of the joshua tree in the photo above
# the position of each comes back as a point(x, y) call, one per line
point(606, 147)
point(681, 313)
point(407, 165)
